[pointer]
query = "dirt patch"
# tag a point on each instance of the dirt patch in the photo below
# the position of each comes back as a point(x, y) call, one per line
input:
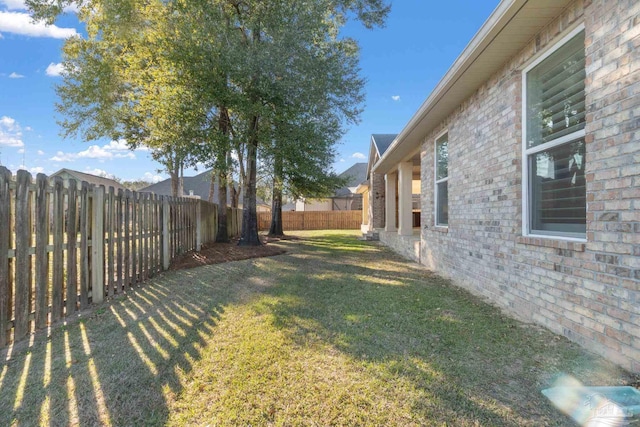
point(216, 253)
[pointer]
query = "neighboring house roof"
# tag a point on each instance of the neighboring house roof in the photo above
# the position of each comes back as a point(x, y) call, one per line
point(199, 184)
point(355, 175)
point(91, 179)
point(508, 30)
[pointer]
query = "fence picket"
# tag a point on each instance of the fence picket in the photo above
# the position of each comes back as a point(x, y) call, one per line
point(134, 238)
point(42, 259)
point(153, 241)
point(72, 252)
point(23, 270)
point(110, 244)
point(58, 250)
point(144, 229)
point(119, 241)
point(84, 245)
point(127, 240)
point(97, 245)
point(5, 239)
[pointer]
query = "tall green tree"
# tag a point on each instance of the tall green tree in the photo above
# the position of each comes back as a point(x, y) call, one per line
point(161, 71)
point(277, 47)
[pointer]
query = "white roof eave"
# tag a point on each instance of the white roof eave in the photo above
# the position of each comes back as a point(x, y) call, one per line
point(496, 39)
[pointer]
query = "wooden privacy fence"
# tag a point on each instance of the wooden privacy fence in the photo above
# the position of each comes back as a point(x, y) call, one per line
point(314, 220)
point(64, 247)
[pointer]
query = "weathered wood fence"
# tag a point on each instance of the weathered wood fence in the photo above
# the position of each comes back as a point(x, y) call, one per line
point(64, 246)
point(314, 220)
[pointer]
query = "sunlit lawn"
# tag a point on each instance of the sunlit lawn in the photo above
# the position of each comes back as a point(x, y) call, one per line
point(336, 332)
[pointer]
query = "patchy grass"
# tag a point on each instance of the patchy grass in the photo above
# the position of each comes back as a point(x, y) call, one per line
point(335, 332)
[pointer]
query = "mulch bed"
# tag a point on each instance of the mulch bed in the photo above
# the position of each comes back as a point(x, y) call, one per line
point(216, 253)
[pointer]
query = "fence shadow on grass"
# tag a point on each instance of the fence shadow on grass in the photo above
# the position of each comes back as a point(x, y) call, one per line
point(122, 363)
point(477, 364)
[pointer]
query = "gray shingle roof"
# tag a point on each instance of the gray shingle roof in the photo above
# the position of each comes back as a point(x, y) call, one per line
point(383, 141)
point(199, 184)
point(91, 179)
point(355, 175)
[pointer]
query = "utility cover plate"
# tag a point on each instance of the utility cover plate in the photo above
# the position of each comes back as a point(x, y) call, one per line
point(593, 405)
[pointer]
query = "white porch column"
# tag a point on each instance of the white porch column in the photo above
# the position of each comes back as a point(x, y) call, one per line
point(390, 181)
point(405, 216)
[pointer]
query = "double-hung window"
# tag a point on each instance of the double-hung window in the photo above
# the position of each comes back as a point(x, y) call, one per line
point(442, 180)
point(553, 141)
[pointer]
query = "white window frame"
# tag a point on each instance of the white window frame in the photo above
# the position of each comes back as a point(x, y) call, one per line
point(527, 152)
point(439, 181)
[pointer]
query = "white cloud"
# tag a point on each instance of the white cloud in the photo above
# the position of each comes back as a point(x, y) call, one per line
point(62, 157)
point(151, 177)
point(54, 70)
point(21, 151)
point(112, 150)
point(358, 156)
point(15, 75)
point(10, 132)
point(36, 170)
point(396, 97)
point(342, 160)
point(104, 153)
point(40, 153)
point(21, 23)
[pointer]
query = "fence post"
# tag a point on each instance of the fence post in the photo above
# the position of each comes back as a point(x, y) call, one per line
point(166, 255)
point(97, 246)
point(198, 225)
point(5, 281)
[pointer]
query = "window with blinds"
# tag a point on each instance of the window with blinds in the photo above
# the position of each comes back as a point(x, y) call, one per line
point(555, 94)
point(554, 141)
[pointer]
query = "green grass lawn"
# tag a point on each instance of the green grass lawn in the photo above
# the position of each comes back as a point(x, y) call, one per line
point(335, 332)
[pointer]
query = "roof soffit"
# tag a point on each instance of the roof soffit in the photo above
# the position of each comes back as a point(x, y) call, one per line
point(505, 33)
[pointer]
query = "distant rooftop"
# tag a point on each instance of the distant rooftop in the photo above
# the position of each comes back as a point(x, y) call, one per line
point(355, 176)
point(91, 179)
point(199, 184)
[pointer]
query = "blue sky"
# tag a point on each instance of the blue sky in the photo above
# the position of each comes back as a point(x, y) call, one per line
point(401, 62)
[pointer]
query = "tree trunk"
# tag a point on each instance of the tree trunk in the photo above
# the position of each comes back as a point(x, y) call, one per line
point(223, 233)
point(275, 230)
point(212, 187)
point(175, 182)
point(223, 180)
point(235, 195)
point(249, 212)
point(242, 178)
point(181, 181)
point(233, 191)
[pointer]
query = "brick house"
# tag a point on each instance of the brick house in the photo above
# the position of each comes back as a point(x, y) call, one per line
point(372, 189)
point(528, 152)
